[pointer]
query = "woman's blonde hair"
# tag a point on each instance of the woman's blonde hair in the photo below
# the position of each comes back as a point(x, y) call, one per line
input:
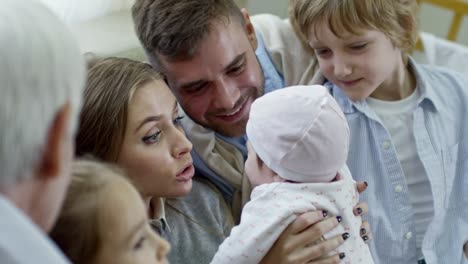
point(397, 19)
point(77, 230)
point(110, 86)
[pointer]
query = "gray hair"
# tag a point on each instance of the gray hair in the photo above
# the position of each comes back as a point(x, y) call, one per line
point(41, 70)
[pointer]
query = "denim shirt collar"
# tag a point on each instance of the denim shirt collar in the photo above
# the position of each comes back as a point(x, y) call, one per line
point(273, 78)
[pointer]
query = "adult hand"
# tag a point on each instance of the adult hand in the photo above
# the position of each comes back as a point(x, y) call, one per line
point(301, 241)
point(362, 209)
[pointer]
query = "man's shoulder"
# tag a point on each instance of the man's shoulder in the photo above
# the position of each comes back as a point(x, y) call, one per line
point(274, 30)
point(268, 20)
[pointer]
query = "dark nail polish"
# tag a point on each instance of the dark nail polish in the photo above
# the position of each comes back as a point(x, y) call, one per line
point(342, 255)
point(346, 236)
point(363, 231)
point(366, 183)
point(359, 210)
point(325, 213)
point(365, 238)
point(339, 219)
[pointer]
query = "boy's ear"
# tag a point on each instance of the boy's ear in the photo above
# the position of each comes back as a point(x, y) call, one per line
point(249, 29)
point(55, 149)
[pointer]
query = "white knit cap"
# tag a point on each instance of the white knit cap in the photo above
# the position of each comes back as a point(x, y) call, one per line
point(300, 133)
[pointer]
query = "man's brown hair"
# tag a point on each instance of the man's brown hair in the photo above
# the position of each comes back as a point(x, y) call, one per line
point(174, 28)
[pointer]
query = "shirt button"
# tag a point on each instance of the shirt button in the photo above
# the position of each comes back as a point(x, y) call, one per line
point(386, 144)
point(398, 189)
point(409, 235)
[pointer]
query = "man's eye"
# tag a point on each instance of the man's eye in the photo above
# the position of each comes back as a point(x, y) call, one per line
point(195, 88)
point(237, 69)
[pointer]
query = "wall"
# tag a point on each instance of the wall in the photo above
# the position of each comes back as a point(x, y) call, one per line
point(433, 20)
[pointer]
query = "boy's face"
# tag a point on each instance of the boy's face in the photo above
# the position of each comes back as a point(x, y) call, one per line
point(217, 86)
point(361, 65)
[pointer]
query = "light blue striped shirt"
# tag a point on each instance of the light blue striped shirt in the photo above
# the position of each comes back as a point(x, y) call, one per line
point(440, 128)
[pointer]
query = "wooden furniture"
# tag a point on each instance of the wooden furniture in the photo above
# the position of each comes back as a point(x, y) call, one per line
point(458, 7)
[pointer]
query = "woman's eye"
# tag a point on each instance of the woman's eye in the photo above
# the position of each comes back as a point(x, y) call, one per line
point(152, 138)
point(177, 120)
point(140, 243)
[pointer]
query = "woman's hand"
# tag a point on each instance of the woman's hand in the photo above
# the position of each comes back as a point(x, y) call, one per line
point(362, 209)
point(302, 241)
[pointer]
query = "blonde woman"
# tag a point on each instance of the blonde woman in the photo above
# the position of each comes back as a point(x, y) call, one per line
point(131, 118)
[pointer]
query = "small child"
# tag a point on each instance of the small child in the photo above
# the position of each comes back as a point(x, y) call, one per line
point(297, 149)
point(408, 124)
point(104, 220)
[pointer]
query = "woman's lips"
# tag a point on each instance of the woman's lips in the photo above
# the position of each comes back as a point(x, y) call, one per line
point(186, 174)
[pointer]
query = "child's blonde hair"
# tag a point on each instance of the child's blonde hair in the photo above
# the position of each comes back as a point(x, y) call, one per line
point(397, 19)
point(77, 230)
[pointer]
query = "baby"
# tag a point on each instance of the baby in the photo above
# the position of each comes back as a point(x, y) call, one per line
point(298, 146)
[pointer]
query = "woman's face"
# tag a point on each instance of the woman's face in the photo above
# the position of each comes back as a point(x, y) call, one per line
point(155, 152)
point(125, 234)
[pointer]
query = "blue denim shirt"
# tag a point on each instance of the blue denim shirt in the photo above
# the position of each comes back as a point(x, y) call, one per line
point(441, 129)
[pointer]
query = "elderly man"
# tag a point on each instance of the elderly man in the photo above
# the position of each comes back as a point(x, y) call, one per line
point(42, 74)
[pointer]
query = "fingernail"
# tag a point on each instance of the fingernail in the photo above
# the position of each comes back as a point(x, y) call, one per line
point(365, 238)
point(346, 236)
point(366, 183)
point(342, 255)
point(325, 213)
point(359, 210)
point(363, 231)
point(339, 219)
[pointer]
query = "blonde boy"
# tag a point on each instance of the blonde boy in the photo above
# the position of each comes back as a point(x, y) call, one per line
point(407, 122)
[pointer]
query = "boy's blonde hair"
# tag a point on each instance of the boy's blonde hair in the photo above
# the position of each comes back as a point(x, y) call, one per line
point(397, 19)
point(78, 229)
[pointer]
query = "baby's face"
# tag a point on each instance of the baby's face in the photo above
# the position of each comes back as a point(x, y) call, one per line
point(127, 237)
point(257, 172)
